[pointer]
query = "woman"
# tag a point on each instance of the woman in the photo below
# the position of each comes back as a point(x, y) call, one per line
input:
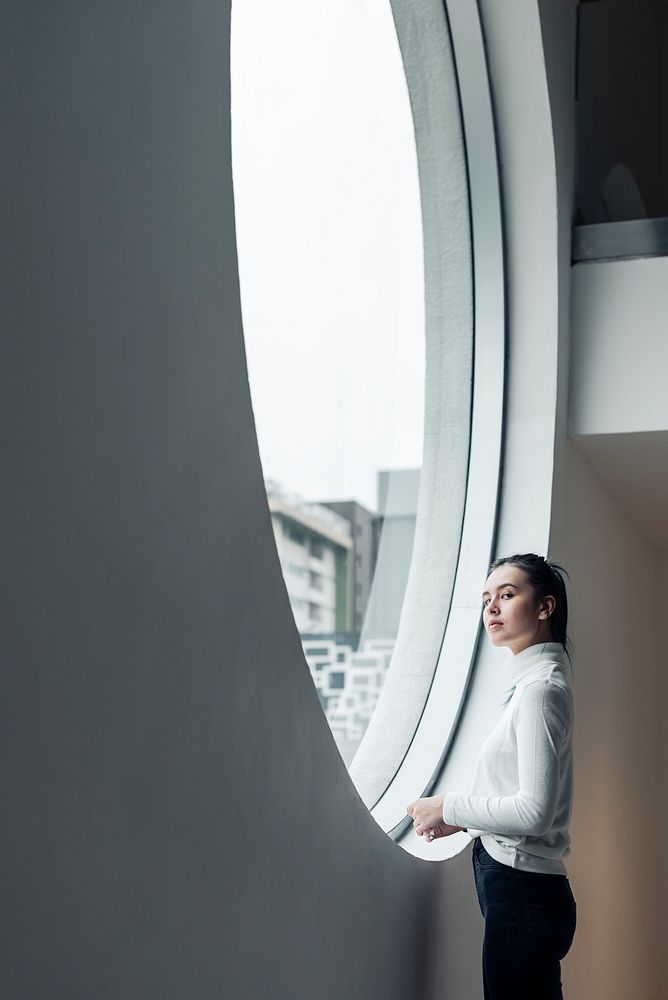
point(520, 806)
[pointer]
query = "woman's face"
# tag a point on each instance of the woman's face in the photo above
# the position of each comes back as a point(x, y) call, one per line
point(511, 614)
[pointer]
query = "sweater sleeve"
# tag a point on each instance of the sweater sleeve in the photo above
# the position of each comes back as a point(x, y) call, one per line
point(542, 724)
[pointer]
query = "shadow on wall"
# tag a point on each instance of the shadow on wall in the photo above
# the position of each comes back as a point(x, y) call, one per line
point(177, 819)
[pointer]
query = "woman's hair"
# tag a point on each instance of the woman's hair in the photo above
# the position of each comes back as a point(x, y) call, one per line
point(545, 577)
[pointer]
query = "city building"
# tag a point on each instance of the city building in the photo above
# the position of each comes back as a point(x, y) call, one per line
point(363, 554)
point(314, 547)
point(394, 534)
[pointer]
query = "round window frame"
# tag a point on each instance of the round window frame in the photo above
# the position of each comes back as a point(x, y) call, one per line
point(429, 747)
point(426, 749)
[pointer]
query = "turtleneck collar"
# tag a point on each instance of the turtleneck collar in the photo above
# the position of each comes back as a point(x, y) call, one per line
point(523, 663)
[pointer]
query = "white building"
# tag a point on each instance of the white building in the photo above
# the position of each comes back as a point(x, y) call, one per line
point(313, 544)
point(349, 682)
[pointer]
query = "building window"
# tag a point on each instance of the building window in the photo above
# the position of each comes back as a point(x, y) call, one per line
point(296, 534)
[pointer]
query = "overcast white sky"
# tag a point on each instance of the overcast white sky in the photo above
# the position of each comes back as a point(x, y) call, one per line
point(330, 243)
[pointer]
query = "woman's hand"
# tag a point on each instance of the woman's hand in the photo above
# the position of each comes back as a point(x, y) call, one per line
point(428, 819)
point(442, 829)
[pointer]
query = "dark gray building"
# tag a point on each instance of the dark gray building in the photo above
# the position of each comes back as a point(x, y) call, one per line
point(363, 556)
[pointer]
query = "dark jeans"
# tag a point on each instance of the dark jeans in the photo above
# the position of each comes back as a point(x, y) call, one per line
point(529, 926)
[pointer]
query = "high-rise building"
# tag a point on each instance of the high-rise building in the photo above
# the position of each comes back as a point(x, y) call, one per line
point(363, 555)
point(314, 546)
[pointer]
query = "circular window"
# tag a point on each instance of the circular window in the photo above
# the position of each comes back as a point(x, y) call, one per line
point(363, 216)
point(329, 238)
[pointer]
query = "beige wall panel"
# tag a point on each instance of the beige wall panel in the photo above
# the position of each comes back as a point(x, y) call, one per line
point(620, 695)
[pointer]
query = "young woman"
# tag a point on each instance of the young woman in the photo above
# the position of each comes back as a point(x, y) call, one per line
point(520, 806)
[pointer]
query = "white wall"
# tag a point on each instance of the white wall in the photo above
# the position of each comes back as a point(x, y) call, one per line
point(616, 870)
point(620, 331)
point(609, 529)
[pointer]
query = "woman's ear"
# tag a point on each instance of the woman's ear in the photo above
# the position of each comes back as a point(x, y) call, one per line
point(547, 607)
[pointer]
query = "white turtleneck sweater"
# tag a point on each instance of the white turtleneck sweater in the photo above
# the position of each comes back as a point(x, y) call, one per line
point(521, 802)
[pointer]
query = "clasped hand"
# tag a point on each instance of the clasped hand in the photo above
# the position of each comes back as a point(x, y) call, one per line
point(428, 822)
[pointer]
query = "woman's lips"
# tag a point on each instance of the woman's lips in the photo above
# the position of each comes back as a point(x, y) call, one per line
point(495, 625)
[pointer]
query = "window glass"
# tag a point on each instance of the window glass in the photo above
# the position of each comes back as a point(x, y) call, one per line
point(330, 261)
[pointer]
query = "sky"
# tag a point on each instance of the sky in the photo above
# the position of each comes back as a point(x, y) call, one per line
point(329, 239)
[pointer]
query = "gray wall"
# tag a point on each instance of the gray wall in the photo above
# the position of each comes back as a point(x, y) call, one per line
point(176, 818)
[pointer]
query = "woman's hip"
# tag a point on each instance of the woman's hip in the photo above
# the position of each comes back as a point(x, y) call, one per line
point(541, 905)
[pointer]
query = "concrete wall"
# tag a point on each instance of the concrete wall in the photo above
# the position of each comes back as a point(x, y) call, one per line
point(177, 821)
